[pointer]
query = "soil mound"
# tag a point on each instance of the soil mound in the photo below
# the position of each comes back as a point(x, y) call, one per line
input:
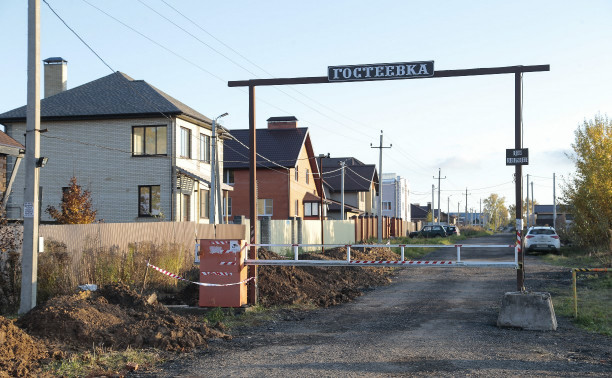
point(321, 286)
point(114, 316)
point(19, 353)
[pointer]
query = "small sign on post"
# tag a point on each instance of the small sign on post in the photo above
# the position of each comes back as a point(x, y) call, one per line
point(518, 156)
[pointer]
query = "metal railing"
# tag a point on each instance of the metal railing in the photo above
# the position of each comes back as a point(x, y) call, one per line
point(399, 263)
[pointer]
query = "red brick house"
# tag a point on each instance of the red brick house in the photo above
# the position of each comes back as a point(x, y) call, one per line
point(287, 171)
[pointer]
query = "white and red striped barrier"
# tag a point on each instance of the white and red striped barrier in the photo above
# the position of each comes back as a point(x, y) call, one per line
point(163, 271)
point(391, 262)
point(228, 263)
point(216, 273)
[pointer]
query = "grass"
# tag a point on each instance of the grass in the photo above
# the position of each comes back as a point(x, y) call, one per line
point(102, 362)
point(594, 290)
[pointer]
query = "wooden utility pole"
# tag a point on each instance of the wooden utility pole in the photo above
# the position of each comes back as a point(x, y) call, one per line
point(518, 120)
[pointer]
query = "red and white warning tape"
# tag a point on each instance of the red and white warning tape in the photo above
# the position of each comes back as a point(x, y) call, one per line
point(362, 262)
point(197, 283)
point(216, 273)
point(228, 263)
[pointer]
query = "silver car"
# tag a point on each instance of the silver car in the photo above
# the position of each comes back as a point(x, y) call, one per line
point(542, 239)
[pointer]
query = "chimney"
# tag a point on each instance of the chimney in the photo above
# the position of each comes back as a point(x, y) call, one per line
point(277, 123)
point(56, 76)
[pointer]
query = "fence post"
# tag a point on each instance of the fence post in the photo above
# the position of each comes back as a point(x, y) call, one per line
point(299, 230)
point(575, 294)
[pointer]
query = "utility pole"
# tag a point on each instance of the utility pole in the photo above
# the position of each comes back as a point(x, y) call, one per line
point(321, 156)
point(480, 213)
point(466, 194)
point(342, 164)
point(433, 214)
point(29, 262)
point(448, 210)
point(532, 204)
point(458, 214)
point(439, 178)
point(554, 203)
point(528, 221)
point(380, 186)
point(214, 176)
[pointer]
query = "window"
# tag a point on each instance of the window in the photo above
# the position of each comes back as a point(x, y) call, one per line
point(307, 174)
point(204, 201)
point(264, 207)
point(149, 140)
point(205, 148)
point(228, 206)
point(186, 207)
point(297, 173)
point(149, 200)
point(185, 143)
point(311, 209)
point(386, 205)
point(228, 176)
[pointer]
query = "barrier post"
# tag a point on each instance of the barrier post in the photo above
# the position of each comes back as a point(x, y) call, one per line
point(458, 252)
point(348, 253)
point(575, 294)
point(402, 247)
point(295, 252)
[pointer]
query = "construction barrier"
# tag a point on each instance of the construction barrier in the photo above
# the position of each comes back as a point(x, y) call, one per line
point(574, 283)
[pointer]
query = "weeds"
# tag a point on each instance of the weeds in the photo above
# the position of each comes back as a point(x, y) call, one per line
point(102, 362)
point(594, 291)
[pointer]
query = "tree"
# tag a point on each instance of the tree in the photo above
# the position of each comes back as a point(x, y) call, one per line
point(75, 208)
point(512, 209)
point(588, 192)
point(495, 206)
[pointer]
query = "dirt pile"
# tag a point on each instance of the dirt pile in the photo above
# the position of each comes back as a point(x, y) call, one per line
point(114, 316)
point(19, 353)
point(321, 286)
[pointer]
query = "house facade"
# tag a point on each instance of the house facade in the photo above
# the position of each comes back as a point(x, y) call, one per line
point(395, 196)
point(360, 187)
point(142, 154)
point(287, 172)
point(8, 147)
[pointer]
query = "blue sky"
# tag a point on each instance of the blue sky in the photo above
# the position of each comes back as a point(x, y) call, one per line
point(461, 125)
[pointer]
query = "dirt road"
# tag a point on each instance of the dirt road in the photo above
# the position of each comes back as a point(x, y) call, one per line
point(429, 321)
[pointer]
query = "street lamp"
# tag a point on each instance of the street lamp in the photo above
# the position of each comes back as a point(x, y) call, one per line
point(214, 172)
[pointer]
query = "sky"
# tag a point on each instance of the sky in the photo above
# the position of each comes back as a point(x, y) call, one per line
point(458, 126)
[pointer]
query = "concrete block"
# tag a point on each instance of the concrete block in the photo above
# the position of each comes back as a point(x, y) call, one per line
point(530, 311)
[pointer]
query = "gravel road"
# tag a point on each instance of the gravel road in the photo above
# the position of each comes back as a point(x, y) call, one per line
point(428, 322)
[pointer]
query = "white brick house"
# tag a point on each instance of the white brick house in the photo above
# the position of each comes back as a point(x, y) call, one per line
point(142, 154)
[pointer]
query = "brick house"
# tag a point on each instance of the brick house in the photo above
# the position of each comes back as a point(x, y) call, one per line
point(8, 147)
point(287, 171)
point(141, 153)
point(360, 187)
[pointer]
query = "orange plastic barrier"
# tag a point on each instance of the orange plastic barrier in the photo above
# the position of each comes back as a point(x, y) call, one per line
point(221, 263)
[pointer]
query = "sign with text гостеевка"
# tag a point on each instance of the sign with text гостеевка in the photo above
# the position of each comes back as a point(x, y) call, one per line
point(381, 71)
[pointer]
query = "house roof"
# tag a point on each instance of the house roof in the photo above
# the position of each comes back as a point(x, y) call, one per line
point(335, 162)
point(10, 146)
point(280, 146)
point(357, 178)
point(418, 212)
point(114, 96)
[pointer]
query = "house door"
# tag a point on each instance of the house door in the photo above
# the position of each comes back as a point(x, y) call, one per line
point(186, 207)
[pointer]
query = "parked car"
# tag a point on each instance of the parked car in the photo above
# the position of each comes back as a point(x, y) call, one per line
point(542, 239)
point(452, 230)
point(429, 232)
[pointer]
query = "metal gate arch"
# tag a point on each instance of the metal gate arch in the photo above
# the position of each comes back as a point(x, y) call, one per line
point(518, 75)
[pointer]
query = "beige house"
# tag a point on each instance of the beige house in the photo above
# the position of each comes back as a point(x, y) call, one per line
point(142, 154)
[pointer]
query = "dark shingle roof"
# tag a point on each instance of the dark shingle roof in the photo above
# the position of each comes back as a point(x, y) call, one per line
point(114, 96)
point(281, 146)
point(418, 212)
point(357, 178)
point(335, 162)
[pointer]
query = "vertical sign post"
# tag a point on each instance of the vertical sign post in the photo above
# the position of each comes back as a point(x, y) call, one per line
point(252, 289)
point(520, 273)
